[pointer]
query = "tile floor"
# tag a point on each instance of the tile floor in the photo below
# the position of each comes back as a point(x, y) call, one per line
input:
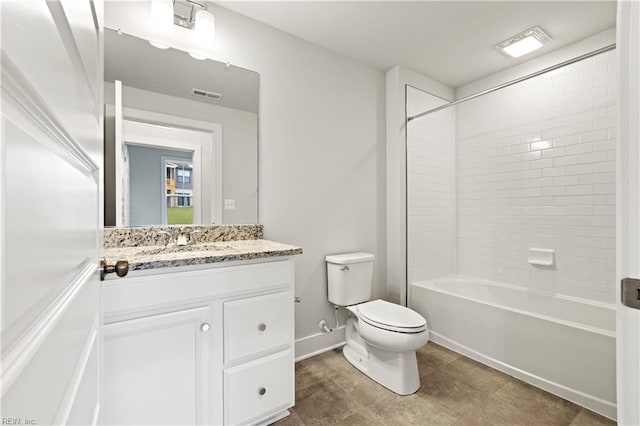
point(455, 391)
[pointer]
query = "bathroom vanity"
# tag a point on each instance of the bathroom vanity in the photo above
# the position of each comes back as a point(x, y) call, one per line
point(199, 335)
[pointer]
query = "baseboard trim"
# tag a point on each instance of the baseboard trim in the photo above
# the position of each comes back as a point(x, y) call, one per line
point(315, 344)
point(274, 418)
point(591, 402)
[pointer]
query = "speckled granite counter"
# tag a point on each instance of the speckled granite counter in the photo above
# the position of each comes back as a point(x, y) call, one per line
point(157, 235)
point(153, 257)
point(144, 247)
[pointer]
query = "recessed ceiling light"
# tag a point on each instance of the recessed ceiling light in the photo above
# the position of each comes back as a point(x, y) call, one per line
point(523, 43)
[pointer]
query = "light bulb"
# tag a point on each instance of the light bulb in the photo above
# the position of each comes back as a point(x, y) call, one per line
point(205, 27)
point(522, 47)
point(162, 13)
point(161, 22)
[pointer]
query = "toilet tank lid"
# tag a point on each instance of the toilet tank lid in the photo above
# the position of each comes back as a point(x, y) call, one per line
point(347, 258)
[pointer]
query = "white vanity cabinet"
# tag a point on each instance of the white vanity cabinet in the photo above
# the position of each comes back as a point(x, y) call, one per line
point(200, 346)
point(157, 369)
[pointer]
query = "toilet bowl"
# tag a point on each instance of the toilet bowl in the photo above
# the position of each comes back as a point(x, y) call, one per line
point(385, 350)
point(382, 337)
point(391, 327)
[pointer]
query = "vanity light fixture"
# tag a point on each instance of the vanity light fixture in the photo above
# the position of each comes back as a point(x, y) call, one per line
point(524, 42)
point(189, 14)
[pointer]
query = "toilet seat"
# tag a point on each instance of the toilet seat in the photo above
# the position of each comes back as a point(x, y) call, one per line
point(391, 317)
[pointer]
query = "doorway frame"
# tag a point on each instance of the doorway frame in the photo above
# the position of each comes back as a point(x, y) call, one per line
point(212, 195)
point(628, 210)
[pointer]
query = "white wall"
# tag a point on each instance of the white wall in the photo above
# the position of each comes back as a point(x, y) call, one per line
point(535, 167)
point(239, 146)
point(321, 149)
point(431, 188)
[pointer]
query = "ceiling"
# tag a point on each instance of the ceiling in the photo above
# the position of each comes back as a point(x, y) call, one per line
point(449, 41)
point(173, 72)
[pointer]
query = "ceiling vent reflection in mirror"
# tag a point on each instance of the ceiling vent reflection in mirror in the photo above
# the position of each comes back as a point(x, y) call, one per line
point(207, 94)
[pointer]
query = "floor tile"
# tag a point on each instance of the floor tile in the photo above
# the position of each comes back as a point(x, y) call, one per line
point(475, 374)
point(308, 374)
point(360, 387)
point(407, 410)
point(457, 397)
point(589, 418)
point(324, 403)
point(455, 390)
point(328, 363)
point(433, 356)
point(545, 407)
point(496, 413)
point(355, 420)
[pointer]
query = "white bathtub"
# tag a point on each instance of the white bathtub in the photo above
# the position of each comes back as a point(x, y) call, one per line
point(562, 344)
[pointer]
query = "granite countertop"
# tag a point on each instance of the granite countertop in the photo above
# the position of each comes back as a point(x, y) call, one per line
point(158, 256)
point(157, 235)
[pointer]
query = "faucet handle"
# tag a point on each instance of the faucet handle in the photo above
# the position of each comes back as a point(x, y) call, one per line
point(192, 239)
point(170, 238)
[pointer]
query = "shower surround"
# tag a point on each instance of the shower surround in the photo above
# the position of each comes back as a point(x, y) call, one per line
point(528, 166)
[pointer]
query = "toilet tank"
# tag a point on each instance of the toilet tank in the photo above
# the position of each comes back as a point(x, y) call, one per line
point(350, 278)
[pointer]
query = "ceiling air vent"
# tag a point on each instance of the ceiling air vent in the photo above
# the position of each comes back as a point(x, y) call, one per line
point(205, 94)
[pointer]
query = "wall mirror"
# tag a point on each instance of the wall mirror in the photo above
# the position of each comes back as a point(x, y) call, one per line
point(181, 137)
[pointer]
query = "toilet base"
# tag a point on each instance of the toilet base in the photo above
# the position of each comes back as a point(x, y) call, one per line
point(396, 371)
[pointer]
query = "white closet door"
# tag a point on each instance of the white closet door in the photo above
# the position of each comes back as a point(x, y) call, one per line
point(51, 209)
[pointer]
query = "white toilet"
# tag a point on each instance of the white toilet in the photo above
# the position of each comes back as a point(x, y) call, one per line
point(382, 337)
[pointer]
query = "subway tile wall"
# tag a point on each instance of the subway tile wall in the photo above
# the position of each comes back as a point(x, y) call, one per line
point(431, 187)
point(535, 168)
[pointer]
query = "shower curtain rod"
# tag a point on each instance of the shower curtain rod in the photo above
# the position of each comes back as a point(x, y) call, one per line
point(517, 80)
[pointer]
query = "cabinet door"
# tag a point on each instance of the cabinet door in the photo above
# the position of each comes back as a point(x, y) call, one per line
point(158, 369)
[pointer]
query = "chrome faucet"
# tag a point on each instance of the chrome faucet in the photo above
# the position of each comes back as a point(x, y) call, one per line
point(192, 239)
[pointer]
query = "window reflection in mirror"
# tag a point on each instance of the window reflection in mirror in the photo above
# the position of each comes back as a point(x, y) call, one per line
point(179, 191)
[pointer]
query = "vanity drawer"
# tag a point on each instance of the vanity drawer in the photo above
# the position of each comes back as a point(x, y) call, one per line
point(258, 388)
point(257, 324)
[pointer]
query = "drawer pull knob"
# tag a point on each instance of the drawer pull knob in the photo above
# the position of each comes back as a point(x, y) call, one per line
point(205, 327)
point(262, 327)
point(262, 391)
